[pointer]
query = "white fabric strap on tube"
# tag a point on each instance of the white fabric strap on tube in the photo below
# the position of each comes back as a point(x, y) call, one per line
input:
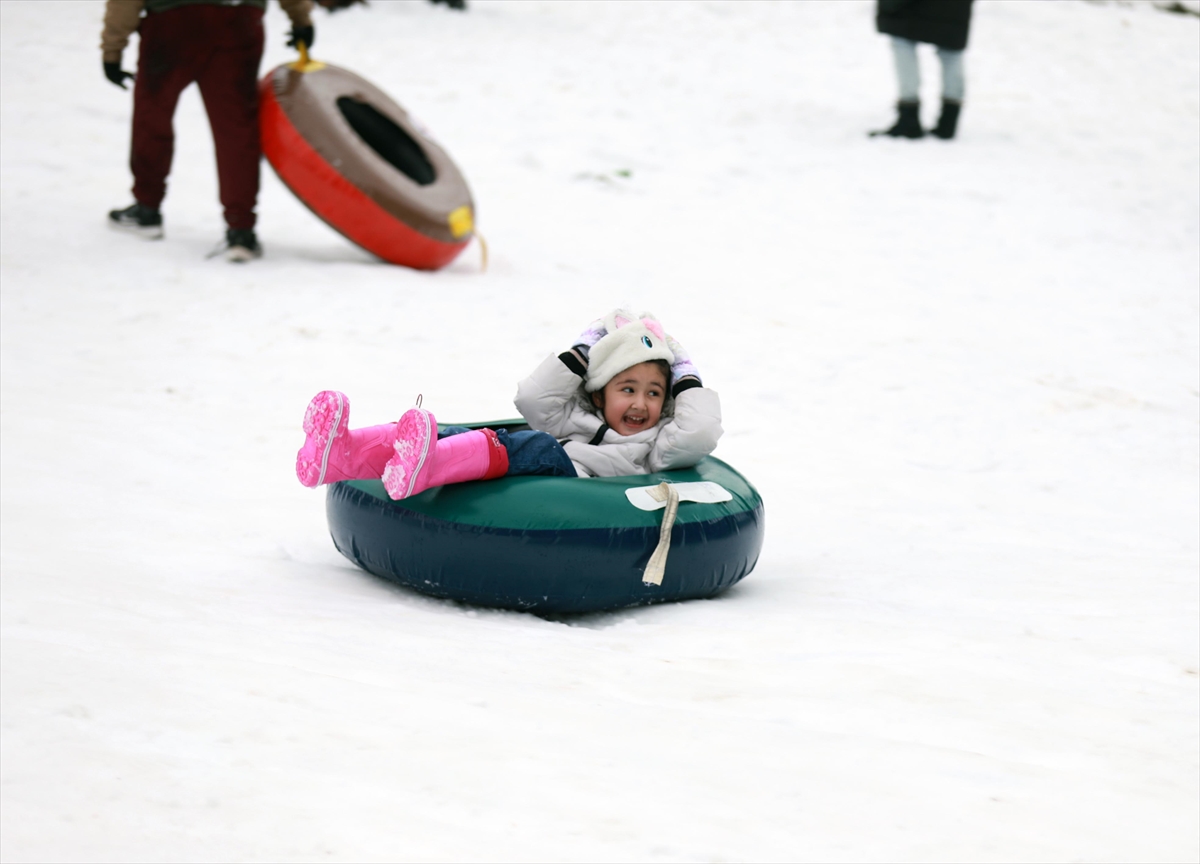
point(655, 497)
point(658, 561)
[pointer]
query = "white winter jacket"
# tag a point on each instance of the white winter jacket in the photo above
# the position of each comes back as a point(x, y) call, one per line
point(550, 400)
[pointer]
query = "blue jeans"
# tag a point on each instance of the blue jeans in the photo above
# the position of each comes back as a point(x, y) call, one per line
point(908, 72)
point(529, 452)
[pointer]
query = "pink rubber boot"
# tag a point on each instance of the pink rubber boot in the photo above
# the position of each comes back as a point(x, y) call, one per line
point(332, 451)
point(422, 461)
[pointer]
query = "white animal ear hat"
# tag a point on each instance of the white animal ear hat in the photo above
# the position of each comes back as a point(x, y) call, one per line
point(629, 340)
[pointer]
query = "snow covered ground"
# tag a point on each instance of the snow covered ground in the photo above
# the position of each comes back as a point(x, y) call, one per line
point(964, 376)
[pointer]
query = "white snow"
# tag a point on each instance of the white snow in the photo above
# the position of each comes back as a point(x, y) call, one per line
point(964, 376)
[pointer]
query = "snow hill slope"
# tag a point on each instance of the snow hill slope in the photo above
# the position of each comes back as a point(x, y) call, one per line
point(964, 376)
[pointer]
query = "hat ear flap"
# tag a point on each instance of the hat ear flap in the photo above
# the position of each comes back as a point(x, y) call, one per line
point(654, 327)
point(621, 321)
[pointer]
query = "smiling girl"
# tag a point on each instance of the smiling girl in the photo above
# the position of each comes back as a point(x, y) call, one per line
point(625, 399)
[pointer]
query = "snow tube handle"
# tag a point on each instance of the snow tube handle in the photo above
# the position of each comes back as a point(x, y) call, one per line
point(657, 564)
point(305, 63)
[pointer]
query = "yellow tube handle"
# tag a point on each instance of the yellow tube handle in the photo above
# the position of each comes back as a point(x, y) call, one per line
point(305, 63)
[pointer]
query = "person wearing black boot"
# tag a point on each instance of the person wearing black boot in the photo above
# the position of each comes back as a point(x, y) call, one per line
point(908, 121)
point(947, 123)
point(944, 24)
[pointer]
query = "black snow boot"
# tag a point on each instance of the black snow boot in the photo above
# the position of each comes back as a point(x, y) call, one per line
point(948, 123)
point(241, 245)
point(137, 219)
point(908, 124)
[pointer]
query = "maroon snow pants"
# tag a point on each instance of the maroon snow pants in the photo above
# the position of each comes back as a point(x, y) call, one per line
point(218, 47)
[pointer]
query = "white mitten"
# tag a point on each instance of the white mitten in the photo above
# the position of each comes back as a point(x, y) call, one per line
point(593, 334)
point(683, 367)
point(578, 357)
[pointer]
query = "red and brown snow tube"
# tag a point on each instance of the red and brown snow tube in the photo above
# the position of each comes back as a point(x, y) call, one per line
point(358, 161)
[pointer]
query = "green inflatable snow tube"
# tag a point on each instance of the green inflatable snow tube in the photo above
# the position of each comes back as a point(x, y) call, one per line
point(549, 544)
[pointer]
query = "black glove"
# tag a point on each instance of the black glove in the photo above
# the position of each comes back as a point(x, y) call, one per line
point(301, 34)
point(114, 73)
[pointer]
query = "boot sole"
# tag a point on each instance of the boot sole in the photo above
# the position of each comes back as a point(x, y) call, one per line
point(320, 432)
point(416, 429)
point(146, 232)
point(240, 254)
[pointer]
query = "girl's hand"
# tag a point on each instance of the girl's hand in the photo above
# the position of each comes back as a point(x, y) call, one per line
point(593, 334)
point(683, 367)
point(589, 337)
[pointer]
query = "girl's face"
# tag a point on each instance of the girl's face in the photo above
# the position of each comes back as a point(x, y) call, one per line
point(633, 399)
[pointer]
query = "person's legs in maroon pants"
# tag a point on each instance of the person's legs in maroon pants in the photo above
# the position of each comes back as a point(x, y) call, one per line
point(229, 86)
point(170, 55)
point(220, 48)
